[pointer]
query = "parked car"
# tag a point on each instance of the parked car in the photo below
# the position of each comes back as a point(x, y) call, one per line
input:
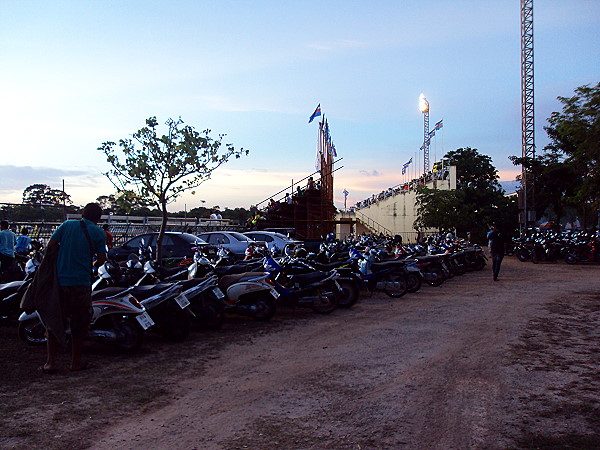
point(176, 246)
point(235, 242)
point(273, 239)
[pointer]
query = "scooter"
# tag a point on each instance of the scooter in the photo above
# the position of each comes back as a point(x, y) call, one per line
point(118, 319)
point(316, 290)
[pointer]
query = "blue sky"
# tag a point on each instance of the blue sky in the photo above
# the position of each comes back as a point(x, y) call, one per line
point(78, 73)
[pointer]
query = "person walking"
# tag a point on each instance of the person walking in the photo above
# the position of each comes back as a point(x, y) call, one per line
point(76, 241)
point(497, 245)
point(8, 240)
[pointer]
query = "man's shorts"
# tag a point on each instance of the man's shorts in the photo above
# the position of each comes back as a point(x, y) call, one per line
point(76, 305)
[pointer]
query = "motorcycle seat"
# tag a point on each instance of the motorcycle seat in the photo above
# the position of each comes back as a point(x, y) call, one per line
point(326, 267)
point(384, 265)
point(307, 278)
point(228, 280)
point(143, 292)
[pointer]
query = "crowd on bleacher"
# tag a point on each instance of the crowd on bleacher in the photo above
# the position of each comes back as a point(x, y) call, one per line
point(403, 188)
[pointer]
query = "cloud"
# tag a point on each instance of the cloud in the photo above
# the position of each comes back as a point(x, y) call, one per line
point(15, 177)
point(367, 173)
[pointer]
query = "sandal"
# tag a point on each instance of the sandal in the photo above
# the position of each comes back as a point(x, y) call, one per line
point(86, 365)
point(47, 371)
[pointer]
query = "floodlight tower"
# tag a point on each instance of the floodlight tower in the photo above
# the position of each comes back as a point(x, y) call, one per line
point(424, 107)
point(527, 111)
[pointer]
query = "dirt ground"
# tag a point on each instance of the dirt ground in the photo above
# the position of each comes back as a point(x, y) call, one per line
point(471, 364)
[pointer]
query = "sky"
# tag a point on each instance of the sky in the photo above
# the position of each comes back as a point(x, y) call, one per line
point(75, 74)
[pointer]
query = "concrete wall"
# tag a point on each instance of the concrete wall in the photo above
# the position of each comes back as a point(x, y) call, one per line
point(397, 212)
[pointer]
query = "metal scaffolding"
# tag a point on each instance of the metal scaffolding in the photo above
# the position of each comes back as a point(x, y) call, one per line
point(527, 111)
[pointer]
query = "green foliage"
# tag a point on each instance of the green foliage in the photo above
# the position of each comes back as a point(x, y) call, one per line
point(42, 194)
point(158, 168)
point(444, 210)
point(567, 174)
point(575, 134)
point(478, 200)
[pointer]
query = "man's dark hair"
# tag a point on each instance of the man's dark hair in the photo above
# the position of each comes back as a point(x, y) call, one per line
point(92, 211)
point(4, 224)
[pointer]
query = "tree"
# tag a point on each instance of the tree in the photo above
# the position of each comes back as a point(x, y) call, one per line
point(567, 173)
point(441, 209)
point(478, 201)
point(159, 168)
point(575, 134)
point(42, 194)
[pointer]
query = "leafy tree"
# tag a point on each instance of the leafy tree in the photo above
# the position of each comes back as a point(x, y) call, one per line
point(42, 194)
point(567, 173)
point(575, 134)
point(159, 168)
point(441, 209)
point(478, 200)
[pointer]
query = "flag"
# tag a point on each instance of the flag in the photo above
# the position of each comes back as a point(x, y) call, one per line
point(432, 133)
point(345, 192)
point(439, 125)
point(315, 114)
point(405, 166)
point(333, 151)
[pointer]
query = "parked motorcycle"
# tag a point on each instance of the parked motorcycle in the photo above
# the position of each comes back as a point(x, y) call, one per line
point(118, 319)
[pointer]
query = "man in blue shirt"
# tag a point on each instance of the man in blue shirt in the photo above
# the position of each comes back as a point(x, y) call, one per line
point(7, 246)
point(77, 241)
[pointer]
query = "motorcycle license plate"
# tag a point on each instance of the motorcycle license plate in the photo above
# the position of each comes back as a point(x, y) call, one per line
point(274, 293)
point(182, 301)
point(218, 293)
point(145, 320)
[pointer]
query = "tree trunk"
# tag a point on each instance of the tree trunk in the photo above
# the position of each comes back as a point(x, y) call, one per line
point(161, 233)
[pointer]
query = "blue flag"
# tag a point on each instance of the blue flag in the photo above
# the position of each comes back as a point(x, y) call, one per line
point(405, 166)
point(315, 114)
point(439, 125)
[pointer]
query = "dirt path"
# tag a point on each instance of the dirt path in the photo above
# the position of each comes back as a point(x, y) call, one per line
point(471, 364)
point(439, 369)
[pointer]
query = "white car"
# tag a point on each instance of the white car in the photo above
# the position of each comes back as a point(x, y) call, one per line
point(237, 243)
point(273, 239)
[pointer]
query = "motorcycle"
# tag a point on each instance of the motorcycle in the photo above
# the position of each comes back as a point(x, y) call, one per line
point(166, 301)
point(319, 291)
point(118, 319)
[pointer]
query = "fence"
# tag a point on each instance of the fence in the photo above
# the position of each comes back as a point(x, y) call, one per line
point(124, 228)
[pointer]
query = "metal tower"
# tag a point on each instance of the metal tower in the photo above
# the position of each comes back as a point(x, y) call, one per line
point(527, 110)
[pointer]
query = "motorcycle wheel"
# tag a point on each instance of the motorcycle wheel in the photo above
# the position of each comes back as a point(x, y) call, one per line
point(32, 332)
point(327, 300)
point(396, 285)
point(438, 277)
point(349, 295)
point(173, 324)
point(413, 282)
point(129, 336)
point(480, 263)
point(523, 255)
point(535, 257)
point(571, 259)
point(265, 306)
point(211, 317)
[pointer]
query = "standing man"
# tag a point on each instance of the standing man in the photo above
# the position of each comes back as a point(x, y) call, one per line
point(497, 242)
point(77, 241)
point(8, 240)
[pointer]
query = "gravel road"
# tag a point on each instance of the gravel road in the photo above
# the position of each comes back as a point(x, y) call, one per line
point(471, 364)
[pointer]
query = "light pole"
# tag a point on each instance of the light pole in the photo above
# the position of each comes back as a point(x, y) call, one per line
point(424, 107)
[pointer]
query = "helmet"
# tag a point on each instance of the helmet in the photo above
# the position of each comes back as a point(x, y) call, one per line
point(301, 252)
